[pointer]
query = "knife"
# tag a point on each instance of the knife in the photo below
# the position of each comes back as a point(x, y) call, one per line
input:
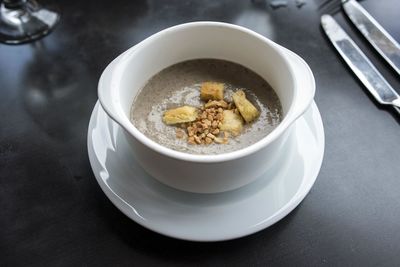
point(380, 39)
point(360, 64)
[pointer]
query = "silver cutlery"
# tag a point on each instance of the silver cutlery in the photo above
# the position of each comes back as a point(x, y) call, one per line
point(379, 38)
point(360, 64)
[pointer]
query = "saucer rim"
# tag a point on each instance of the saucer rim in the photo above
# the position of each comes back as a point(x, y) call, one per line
point(301, 192)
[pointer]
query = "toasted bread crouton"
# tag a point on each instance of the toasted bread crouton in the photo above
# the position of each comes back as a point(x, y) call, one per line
point(248, 111)
point(212, 91)
point(215, 103)
point(180, 115)
point(231, 122)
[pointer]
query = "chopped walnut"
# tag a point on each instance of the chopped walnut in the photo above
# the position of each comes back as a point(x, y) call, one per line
point(180, 133)
point(197, 139)
point(205, 129)
point(191, 140)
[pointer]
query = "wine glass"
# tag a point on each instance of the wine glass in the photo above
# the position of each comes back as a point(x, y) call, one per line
point(23, 21)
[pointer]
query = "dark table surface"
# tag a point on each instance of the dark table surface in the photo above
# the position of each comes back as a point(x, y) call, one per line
point(53, 212)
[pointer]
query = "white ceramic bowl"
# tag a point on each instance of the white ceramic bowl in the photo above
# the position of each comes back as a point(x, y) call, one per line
point(287, 73)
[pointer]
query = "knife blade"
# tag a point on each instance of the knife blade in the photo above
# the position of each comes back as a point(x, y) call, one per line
point(360, 64)
point(379, 38)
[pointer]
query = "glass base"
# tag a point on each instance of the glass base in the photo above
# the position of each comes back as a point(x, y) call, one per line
point(25, 23)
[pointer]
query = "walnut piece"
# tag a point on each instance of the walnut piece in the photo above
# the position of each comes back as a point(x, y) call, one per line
point(180, 133)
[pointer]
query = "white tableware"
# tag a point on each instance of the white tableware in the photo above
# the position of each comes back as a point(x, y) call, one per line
point(205, 217)
point(286, 72)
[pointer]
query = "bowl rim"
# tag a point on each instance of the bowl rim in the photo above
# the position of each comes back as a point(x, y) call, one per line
point(121, 61)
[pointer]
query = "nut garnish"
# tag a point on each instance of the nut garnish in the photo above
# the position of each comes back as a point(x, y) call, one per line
point(215, 120)
point(205, 128)
point(180, 133)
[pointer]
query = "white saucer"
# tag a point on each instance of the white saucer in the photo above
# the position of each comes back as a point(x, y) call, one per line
point(205, 217)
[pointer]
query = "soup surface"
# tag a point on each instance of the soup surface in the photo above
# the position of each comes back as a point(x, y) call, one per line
point(180, 84)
